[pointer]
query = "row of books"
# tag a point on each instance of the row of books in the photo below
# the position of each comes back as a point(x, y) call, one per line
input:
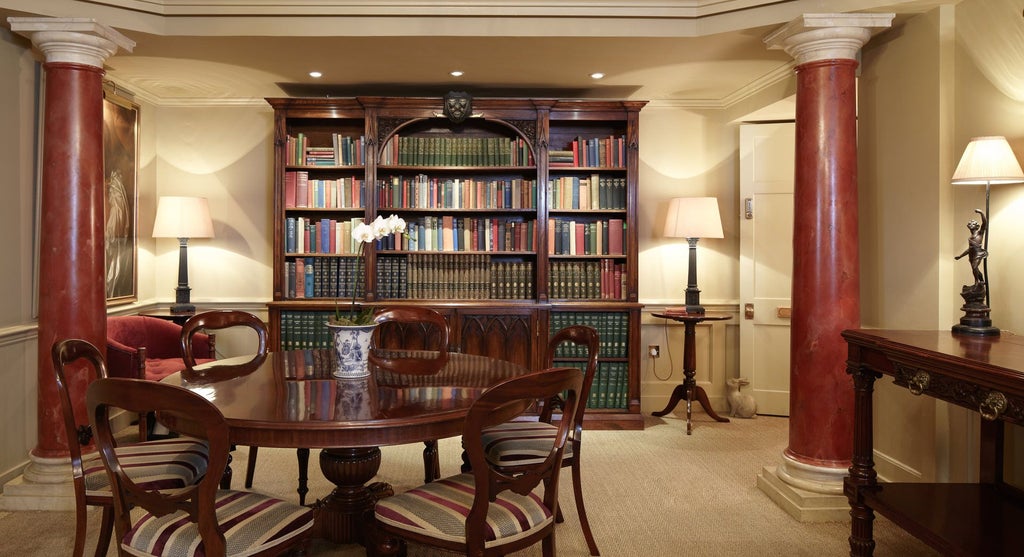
point(587, 280)
point(465, 277)
point(344, 150)
point(605, 152)
point(424, 192)
point(440, 276)
point(612, 328)
point(450, 233)
point(320, 235)
point(343, 193)
point(305, 330)
point(610, 388)
point(593, 192)
point(456, 151)
point(598, 237)
point(324, 277)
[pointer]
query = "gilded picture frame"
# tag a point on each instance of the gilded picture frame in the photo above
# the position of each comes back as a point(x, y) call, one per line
point(120, 184)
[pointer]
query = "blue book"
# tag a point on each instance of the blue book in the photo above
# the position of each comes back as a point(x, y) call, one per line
point(325, 235)
point(309, 277)
point(289, 235)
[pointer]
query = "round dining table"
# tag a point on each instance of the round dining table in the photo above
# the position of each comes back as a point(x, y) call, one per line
point(292, 399)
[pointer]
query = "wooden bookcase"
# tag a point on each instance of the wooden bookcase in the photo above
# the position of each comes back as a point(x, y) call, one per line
point(510, 235)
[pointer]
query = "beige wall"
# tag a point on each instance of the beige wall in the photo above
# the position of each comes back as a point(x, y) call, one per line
point(990, 101)
point(927, 87)
point(17, 222)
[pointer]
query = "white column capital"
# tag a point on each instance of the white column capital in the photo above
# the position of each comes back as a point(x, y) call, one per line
point(813, 37)
point(73, 40)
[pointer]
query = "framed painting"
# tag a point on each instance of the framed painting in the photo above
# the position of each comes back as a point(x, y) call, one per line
point(120, 180)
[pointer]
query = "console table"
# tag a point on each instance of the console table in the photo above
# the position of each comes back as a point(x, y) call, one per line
point(982, 373)
point(689, 390)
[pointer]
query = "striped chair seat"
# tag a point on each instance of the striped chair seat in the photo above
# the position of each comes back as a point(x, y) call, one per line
point(519, 443)
point(439, 509)
point(251, 523)
point(164, 464)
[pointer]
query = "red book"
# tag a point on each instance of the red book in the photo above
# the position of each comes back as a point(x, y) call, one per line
point(616, 233)
point(551, 236)
point(580, 231)
point(289, 190)
point(300, 278)
point(616, 283)
point(302, 189)
point(447, 235)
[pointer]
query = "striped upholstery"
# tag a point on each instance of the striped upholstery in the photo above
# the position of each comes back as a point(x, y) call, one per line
point(251, 523)
point(164, 464)
point(439, 509)
point(518, 443)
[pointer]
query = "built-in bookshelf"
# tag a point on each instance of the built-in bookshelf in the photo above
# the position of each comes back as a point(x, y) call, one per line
point(521, 220)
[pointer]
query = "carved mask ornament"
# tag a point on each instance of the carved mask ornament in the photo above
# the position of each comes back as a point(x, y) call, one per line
point(458, 105)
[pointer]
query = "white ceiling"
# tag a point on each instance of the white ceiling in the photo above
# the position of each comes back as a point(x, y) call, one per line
point(697, 52)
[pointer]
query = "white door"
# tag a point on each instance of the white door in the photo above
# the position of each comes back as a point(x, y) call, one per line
point(766, 261)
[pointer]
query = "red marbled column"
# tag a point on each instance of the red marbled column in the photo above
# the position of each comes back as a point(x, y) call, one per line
point(826, 289)
point(72, 298)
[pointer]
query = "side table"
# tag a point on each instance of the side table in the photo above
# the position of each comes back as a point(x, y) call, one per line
point(689, 389)
point(165, 313)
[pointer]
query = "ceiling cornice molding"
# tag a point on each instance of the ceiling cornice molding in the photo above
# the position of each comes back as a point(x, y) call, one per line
point(574, 18)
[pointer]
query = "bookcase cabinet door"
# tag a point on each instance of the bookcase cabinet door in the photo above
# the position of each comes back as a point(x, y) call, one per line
point(506, 336)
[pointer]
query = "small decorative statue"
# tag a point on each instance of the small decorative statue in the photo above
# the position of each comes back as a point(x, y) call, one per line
point(976, 252)
point(976, 319)
point(740, 405)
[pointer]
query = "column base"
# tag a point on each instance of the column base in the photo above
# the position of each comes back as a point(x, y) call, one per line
point(44, 485)
point(803, 504)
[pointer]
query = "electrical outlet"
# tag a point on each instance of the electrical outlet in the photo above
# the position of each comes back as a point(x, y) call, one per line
point(653, 350)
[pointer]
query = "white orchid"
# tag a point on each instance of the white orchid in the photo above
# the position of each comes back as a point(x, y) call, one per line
point(364, 234)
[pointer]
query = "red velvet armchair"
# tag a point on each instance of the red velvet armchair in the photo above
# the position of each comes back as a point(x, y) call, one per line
point(142, 347)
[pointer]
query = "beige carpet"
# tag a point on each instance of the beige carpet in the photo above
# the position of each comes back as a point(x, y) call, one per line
point(656, 492)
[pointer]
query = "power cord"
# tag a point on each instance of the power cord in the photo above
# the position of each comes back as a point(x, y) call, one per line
point(654, 361)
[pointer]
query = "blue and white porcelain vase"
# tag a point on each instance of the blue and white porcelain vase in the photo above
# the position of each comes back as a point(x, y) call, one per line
point(352, 348)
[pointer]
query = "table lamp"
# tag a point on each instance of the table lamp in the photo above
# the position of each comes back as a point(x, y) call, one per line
point(182, 218)
point(693, 218)
point(986, 160)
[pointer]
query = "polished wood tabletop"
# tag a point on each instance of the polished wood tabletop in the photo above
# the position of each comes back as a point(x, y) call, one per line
point(292, 399)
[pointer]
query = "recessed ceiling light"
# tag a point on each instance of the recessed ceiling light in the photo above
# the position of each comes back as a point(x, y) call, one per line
point(315, 74)
point(597, 75)
point(456, 73)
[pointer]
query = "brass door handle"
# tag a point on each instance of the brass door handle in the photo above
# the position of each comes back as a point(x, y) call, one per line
point(784, 313)
point(748, 311)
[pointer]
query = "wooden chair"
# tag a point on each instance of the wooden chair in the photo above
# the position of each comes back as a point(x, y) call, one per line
point(515, 444)
point(172, 463)
point(199, 519)
point(425, 319)
point(200, 323)
point(487, 511)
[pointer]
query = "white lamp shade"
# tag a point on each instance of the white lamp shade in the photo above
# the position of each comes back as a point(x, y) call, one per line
point(183, 217)
point(693, 217)
point(988, 160)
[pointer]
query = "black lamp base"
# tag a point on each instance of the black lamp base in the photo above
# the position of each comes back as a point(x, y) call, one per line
point(182, 303)
point(692, 292)
point(182, 294)
point(183, 309)
point(976, 320)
